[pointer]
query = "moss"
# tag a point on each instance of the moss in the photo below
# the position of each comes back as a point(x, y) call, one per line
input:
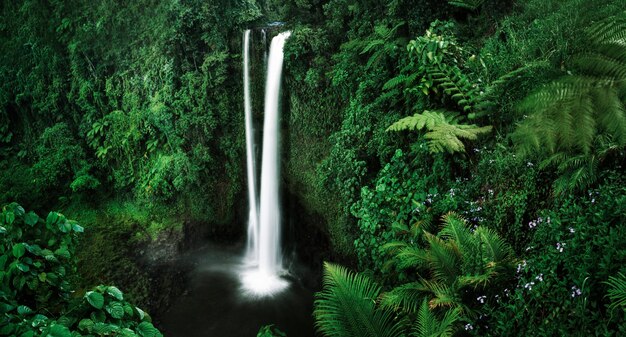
point(109, 252)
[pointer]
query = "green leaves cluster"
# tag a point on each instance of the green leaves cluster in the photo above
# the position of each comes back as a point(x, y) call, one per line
point(578, 122)
point(444, 131)
point(38, 267)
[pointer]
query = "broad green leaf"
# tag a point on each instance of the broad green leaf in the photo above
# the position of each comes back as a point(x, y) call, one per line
point(65, 226)
point(146, 329)
point(95, 299)
point(5, 307)
point(39, 320)
point(77, 228)
point(58, 330)
point(19, 250)
point(9, 217)
point(31, 218)
point(115, 309)
point(52, 218)
point(23, 267)
point(126, 332)
point(62, 252)
point(24, 310)
point(86, 325)
point(104, 329)
point(28, 334)
point(115, 292)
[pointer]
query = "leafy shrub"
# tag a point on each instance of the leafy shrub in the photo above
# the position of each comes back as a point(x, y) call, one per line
point(37, 259)
point(404, 192)
point(575, 248)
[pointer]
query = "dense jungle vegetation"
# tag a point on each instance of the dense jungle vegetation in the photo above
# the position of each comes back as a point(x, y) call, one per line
point(463, 157)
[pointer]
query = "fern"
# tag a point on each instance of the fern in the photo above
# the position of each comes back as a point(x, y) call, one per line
point(444, 130)
point(570, 119)
point(347, 306)
point(617, 291)
point(467, 4)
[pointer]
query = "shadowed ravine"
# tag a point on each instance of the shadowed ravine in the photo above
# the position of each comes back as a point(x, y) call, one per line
point(215, 305)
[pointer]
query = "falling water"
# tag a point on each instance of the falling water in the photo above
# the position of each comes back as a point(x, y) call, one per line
point(266, 279)
point(253, 218)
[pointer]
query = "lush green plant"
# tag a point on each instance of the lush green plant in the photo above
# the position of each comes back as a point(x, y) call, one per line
point(578, 122)
point(402, 194)
point(457, 268)
point(576, 247)
point(617, 290)
point(346, 306)
point(270, 331)
point(444, 131)
point(37, 258)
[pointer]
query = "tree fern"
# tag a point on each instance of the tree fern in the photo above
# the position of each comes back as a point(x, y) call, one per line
point(445, 133)
point(569, 118)
point(347, 306)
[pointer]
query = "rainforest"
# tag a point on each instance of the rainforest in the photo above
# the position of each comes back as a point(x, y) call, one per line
point(364, 168)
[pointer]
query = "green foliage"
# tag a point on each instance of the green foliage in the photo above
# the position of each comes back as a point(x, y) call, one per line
point(428, 325)
point(347, 306)
point(617, 290)
point(578, 122)
point(456, 264)
point(401, 195)
point(468, 4)
point(562, 289)
point(444, 131)
point(38, 262)
point(270, 331)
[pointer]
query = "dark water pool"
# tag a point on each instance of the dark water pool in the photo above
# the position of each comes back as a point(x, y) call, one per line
point(215, 305)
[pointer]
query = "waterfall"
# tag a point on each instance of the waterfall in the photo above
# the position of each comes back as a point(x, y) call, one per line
point(253, 218)
point(265, 278)
point(270, 259)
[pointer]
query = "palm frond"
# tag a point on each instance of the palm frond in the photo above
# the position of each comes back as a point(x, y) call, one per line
point(346, 306)
point(406, 297)
point(427, 324)
point(617, 291)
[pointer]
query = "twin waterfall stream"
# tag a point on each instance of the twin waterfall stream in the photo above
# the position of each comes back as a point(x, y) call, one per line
point(225, 294)
point(263, 258)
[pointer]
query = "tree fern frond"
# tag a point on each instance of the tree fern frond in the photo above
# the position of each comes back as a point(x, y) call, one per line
point(406, 297)
point(445, 133)
point(611, 30)
point(346, 306)
point(617, 291)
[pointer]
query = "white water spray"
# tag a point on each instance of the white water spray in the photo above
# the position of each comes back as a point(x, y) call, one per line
point(265, 279)
point(252, 250)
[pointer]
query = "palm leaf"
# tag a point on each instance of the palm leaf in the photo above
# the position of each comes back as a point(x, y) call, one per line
point(617, 291)
point(428, 325)
point(346, 306)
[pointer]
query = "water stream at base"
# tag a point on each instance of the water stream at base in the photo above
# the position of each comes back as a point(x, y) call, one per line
point(213, 304)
